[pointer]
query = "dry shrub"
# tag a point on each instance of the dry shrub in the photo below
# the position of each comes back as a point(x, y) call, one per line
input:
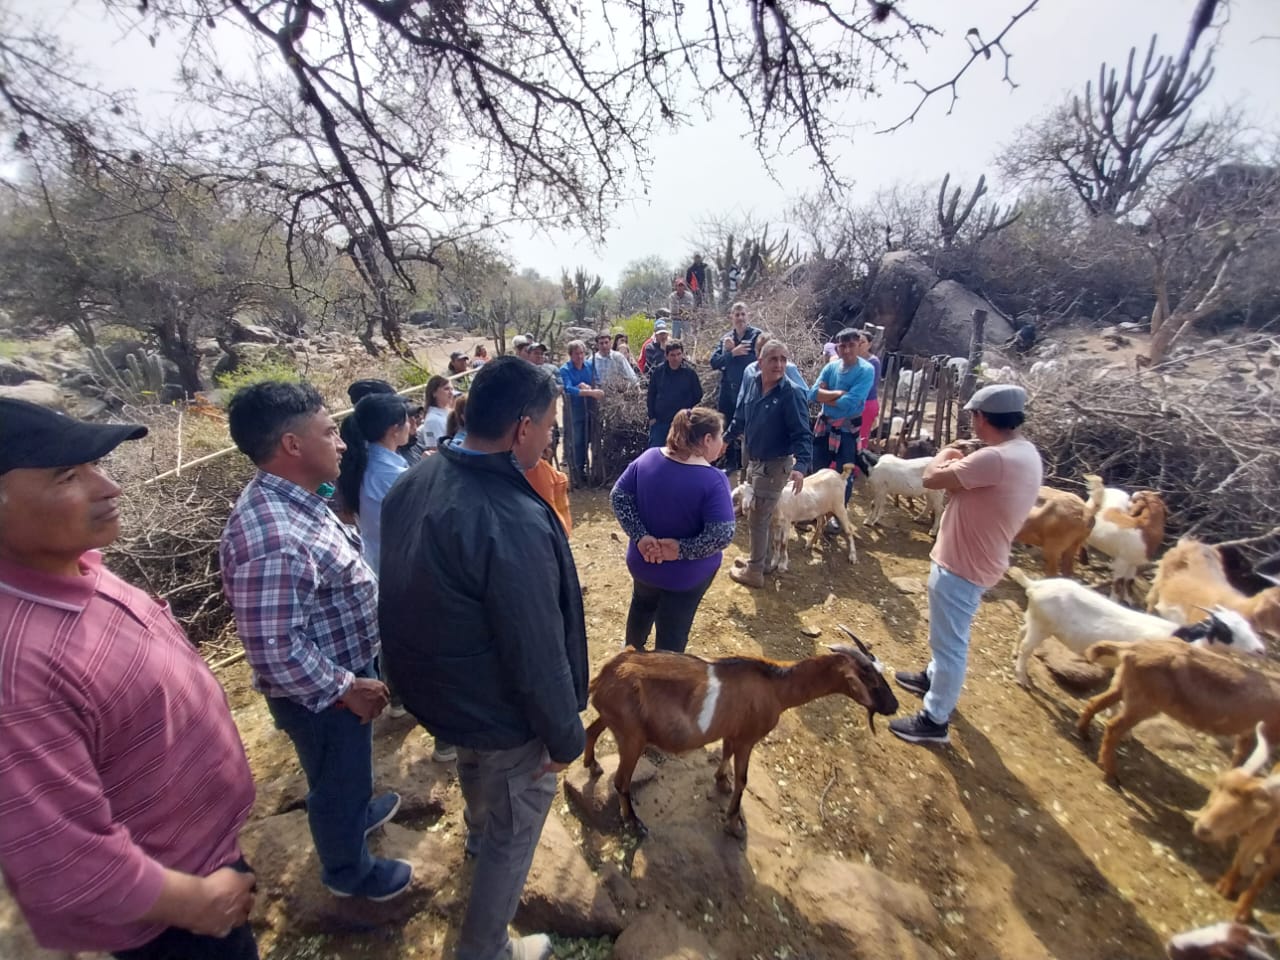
point(1209, 444)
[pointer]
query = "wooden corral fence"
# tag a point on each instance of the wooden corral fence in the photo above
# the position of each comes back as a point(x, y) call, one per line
point(594, 475)
point(924, 392)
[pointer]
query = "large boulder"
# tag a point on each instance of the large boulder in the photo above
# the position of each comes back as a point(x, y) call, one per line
point(16, 370)
point(36, 391)
point(943, 322)
point(242, 332)
point(901, 282)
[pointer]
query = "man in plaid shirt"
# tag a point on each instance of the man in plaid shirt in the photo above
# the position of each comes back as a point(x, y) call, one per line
point(306, 607)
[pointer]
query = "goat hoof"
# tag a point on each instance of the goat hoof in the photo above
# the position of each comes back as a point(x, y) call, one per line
point(724, 785)
point(1226, 888)
point(736, 827)
point(595, 769)
point(1244, 916)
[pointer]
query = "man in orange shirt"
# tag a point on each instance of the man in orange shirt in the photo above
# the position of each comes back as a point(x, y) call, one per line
point(552, 486)
point(992, 491)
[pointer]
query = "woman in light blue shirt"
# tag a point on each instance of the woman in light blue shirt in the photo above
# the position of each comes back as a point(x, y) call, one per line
point(370, 465)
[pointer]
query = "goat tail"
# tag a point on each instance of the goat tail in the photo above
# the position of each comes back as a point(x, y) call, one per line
point(1019, 576)
point(1096, 493)
point(1107, 653)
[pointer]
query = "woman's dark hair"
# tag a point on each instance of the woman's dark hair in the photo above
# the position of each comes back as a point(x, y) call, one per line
point(260, 414)
point(434, 384)
point(373, 416)
point(457, 419)
point(690, 427)
point(415, 410)
point(1005, 421)
point(620, 338)
point(505, 390)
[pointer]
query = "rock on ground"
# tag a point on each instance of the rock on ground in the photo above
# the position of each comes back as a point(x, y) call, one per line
point(291, 896)
point(1071, 671)
point(562, 894)
point(36, 391)
point(660, 936)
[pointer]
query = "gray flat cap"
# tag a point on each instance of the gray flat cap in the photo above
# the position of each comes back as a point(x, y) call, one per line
point(998, 398)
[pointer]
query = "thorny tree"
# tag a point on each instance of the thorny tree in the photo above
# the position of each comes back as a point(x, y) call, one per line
point(413, 121)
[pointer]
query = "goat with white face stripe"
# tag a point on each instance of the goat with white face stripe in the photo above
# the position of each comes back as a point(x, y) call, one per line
point(678, 702)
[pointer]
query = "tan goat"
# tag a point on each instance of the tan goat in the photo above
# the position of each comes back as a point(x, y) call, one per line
point(1245, 803)
point(1059, 524)
point(1191, 576)
point(1207, 691)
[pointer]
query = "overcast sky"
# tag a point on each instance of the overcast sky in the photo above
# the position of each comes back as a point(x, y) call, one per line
point(712, 168)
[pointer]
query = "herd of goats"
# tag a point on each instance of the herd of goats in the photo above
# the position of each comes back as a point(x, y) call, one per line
point(1179, 658)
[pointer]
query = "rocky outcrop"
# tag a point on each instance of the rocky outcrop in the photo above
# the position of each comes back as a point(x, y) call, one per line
point(923, 314)
point(36, 391)
point(943, 322)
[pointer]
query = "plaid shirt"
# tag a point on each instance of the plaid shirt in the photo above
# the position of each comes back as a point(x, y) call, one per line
point(305, 601)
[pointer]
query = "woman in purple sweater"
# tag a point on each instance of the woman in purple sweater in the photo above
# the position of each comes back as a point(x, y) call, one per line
point(675, 507)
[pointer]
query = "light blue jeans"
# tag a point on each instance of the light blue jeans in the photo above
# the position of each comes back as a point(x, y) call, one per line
point(953, 603)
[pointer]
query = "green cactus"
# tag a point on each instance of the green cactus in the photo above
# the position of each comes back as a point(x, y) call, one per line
point(141, 381)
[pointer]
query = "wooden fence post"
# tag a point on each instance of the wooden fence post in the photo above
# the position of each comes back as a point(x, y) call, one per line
point(576, 478)
point(964, 419)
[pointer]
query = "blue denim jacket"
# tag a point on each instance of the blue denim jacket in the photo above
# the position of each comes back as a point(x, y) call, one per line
point(384, 467)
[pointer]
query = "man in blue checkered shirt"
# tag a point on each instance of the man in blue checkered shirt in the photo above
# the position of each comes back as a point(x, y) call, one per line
point(306, 608)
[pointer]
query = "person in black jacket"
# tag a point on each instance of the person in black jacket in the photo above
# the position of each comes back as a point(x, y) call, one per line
point(673, 386)
point(733, 354)
point(483, 632)
point(773, 414)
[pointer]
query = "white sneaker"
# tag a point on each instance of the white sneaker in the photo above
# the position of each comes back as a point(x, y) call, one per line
point(396, 711)
point(444, 752)
point(536, 946)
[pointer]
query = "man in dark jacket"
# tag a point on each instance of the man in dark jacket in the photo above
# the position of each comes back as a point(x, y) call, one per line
point(484, 637)
point(732, 355)
point(673, 386)
point(773, 414)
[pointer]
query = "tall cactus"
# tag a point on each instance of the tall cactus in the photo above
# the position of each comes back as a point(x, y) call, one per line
point(142, 380)
point(952, 218)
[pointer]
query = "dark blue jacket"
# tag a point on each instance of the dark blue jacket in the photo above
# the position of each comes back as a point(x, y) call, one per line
point(775, 423)
point(479, 606)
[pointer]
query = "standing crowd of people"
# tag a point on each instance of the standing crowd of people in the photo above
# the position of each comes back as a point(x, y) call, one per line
point(371, 567)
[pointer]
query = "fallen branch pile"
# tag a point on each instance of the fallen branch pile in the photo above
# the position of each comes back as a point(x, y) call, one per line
point(1211, 447)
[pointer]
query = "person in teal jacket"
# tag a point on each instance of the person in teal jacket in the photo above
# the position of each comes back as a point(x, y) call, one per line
point(842, 389)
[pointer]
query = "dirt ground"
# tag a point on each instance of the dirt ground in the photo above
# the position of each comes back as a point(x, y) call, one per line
point(1011, 832)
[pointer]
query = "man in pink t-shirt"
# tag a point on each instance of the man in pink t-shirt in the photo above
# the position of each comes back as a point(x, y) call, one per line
point(123, 782)
point(992, 491)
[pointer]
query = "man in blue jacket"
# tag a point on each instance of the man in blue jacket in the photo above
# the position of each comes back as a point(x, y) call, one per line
point(773, 415)
point(463, 532)
point(842, 389)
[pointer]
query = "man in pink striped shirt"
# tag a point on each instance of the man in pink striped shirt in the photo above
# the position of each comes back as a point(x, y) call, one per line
point(123, 782)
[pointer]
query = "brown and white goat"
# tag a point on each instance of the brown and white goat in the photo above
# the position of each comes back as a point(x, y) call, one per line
point(1220, 941)
point(1059, 524)
point(1207, 691)
point(1245, 803)
point(1191, 576)
point(678, 702)
point(1129, 529)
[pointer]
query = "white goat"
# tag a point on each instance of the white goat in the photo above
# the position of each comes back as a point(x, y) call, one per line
point(821, 497)
point(958, 366)
point(1070, 611)
point(1043, 368)
point(998, 375)
point(892, 476)
point(908, 382)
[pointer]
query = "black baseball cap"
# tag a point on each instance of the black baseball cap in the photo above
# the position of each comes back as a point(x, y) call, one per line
point(32, 436)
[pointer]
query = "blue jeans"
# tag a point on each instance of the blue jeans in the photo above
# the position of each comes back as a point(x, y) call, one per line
point(580, 438)
point(336, 753)
point(953, 603)
point(658, 433)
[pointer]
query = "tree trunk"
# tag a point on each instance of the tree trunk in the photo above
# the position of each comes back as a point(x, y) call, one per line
point(176, 346)
point(1162, 337)
point(964, 419)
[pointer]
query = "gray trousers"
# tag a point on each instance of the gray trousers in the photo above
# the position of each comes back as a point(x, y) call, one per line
point(506, 805)
point(767, 478)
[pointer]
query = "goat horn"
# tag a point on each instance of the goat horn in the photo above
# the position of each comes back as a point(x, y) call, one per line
point(852, 636)
point(1258, 759)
